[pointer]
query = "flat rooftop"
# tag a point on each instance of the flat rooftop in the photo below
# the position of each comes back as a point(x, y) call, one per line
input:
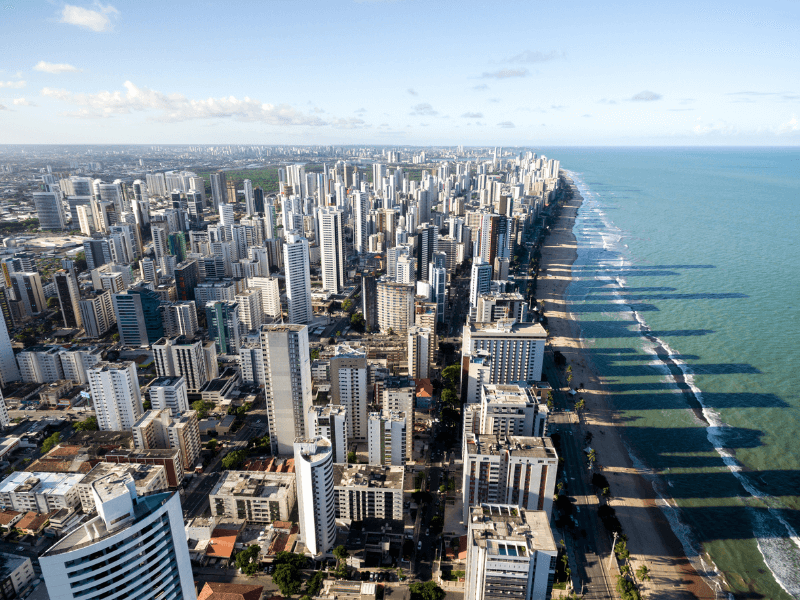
point(508, 327)
point(139, 473)
point(508, 394)
point(492, 445)
point(372, 476)
point(253, 484)
point(509, 531)
point(39, 483)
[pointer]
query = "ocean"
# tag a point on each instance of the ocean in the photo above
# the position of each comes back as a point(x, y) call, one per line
point(687, 290)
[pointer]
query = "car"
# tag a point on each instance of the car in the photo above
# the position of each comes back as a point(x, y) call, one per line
point(19, 548)
point(428, 531)
point(419, 545)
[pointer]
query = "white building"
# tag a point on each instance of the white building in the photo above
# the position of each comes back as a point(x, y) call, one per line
point(251, 311)
point(330, 422)
point(479, 281)
point(395, 306)
point(146, 478)
point(115, 393)
point(287, 371)
point(516, 349)
point(134, 548)
point(256, 496)
point(387, 440)
point(49, 209)
point(270, 295)
point(39, 492)
point(507, 410)
point(511, 554)
point(331, 244)
point(76, 360)
point(420, 340)
point(16, 574)
point(9, 370)
point(348, 377)
point(368, 492)
point(97, 314)
point(185, 357)
point(40, 364)
point(157, 430)
point(5, 420)
point(298, 278)
point(514, 470)
point(316, 500)
point(170, 393)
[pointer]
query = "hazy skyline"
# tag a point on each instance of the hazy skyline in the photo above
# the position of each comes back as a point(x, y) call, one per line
point(401, 72)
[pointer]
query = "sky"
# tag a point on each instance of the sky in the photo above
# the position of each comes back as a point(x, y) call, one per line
point(400, 72)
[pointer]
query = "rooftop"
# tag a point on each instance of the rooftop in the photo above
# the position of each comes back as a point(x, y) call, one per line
point(10, 563)
point(372, 476)
point(509, 531)
point(39, 483)
point(508, 327)
point(139, 473)
point(253, 484)
point(492, 445)
point(508, 394)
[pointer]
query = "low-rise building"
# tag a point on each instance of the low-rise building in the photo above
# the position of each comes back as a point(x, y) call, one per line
point(16, 574)
point(256, 496)
point(39, 492)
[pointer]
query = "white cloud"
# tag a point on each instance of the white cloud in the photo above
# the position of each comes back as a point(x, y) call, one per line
point(790, 126)
point(481, 86)
point(472, 115)
point(23, 102)
point(506, 125)
point(506, 73)
point(55, 68)
point(349, 124)
point(96, 20)
point(14, 85)
point(423, 110)
point(176, 107)
point(3, 107)
point(412, 91)
point(715, 128)
point(646, 96)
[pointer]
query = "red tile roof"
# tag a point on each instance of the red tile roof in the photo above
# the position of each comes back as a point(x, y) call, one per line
point(213, 590)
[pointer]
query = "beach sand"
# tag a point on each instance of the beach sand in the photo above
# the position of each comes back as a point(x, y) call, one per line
point(651, 541)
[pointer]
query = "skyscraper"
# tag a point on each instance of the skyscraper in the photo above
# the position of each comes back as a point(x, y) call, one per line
point(330, 422)
point(68, 297)
point(97, 314)
point(361, 210)
point(313, 465)
point(395, 306)
point(187, 276)
point(298, 279)
point(9, 370)
point(49, 210)
point(134, 548)
point(427, 244)
point(222, 320)
point(348, 376)
point(185, 357)
point(218, 189)
point(115, 392)
point(332, 249)
point(28, 289)
point(169, 393)
point(287, 370)
point(420, 340)
point(480, 281)
point(139, 316)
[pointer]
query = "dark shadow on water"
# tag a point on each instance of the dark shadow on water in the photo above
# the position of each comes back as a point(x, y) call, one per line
point(601, 308)
point(706, 296)
point(610, 356)
point(638, 267)
point(597, 329)
point(609, 291)
point(677, 400)
point(692, 369)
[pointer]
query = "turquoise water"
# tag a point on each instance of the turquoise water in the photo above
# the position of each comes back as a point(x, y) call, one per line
point(695, 253)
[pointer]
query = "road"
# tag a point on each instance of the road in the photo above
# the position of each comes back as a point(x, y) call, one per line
point(588, 543)
point(422, 565)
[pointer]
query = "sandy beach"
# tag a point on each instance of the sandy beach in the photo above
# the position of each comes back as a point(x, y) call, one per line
point(651, 541)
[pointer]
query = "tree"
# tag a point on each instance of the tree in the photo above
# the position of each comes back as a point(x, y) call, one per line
point(592, 457)
point(351, 457)
point(426, 591)
point(80, 262)
point(347, 305)
point(621, 550)
point(298, 561)
point(451, 374)
point(580, 405)
point(449, 397)
point(247, 560)
point(88, 424)
point(315, 354)
point(234, 459)
point(202, 408)
point(643, 573)
point(51, 442)
point(357, 320)
point(314, 584)
point(287, 578)
point(341, 554)
point(212, 444)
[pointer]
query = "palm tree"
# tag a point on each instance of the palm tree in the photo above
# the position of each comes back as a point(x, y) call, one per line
point(592, 456)
point(643, 573)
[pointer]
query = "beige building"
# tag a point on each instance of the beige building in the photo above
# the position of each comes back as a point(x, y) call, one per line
point(395, 306)
point(157, 429)
point(256, 496)
point(368, 492)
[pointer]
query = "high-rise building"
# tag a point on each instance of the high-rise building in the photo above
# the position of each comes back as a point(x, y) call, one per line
point(516, 350)
point(480, 281)
point(516, 470)
point(251, 312)
point(427, 245)
point(50, 210)
point(420, 341)
point(316, 499)
point(97, 252)
point(97, 314)
point(226, 216)
point(368, 492)
point(395, 302)
point(219, 189)
point(180, 318)
point(348, 377)
point(270, 295)
point(387, 438)
point(134, 548)
point(28, 289)
point(330, 422)
point(159, 430)
point(399, 395)
point(287, 369)
point(361, 210)
point(298, 279)
point(222, 320)
point(331, 249)
point(185, 357)
point(511, 553)
point(139, 316)
point(5, 420)
point(9, 371)
point(69, 295)
point(507, 410)
point(369, 301)
point(169, 393)
point(115, 393)
point(148, 267)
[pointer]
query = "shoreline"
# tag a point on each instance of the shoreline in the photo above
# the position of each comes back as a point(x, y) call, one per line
point(651, 539)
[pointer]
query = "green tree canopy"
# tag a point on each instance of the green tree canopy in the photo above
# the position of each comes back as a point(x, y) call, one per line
point(247, 560)
point(88, 424)
point(449, 397)
point(202, 408)
point(233, 460)
point(341, 553)
point(451, 374)
point(51, 442)
point(426, 591)
point(287, 578)
point(351, 457)
point(347, 305)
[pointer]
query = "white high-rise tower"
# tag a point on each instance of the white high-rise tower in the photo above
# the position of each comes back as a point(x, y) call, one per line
point(298, 278)
point(316, 499)
point(332, 249)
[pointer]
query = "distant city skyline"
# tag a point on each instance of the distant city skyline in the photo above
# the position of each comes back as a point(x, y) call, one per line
point(401, 72)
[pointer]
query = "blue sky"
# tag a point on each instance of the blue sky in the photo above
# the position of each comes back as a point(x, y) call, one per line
point(401, 72)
